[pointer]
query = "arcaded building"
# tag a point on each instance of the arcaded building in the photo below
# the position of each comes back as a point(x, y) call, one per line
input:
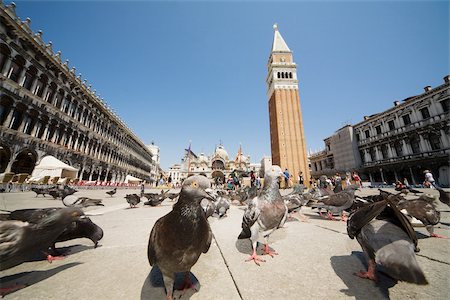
point(287, 137)
point(46, 109)
point(398, 143)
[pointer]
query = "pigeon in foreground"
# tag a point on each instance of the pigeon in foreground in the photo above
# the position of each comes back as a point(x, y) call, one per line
point(264, 214)
point(388, 240)
point(82, 227)
point(222, 206)
point(74, 201)
point(179, 238)
point(20, 241)
point(133, 200)
point(112, 192)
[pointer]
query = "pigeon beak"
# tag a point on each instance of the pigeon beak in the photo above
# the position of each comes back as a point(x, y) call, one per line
point(209, 196)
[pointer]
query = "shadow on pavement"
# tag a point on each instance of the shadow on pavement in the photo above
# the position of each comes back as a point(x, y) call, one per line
point(26, 279)
point(64, 251)
point(153, 287)
point(346, 266)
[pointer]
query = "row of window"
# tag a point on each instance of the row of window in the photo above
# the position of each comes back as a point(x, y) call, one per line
point(406, 120)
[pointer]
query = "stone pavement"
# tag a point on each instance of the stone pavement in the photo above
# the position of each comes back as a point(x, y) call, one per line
point(316, 259)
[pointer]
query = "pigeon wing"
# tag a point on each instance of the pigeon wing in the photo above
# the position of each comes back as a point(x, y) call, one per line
point(363, 216)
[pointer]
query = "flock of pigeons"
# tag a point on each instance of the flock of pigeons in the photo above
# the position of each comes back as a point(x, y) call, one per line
point(381, 224)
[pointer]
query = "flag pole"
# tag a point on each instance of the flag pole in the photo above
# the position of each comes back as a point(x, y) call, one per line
point(189, 159)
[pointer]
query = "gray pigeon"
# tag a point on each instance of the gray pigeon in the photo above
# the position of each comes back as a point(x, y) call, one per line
point(20, 241)
point(208, 207)
point(264, 214)
point(388, 240)
point(82, 227)
point(222, 206)
point(74, 201)
point(133, 200)
point(339, 202)
point(179, 238)
point(424, 210)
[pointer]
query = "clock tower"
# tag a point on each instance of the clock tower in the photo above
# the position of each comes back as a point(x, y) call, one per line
point(287, 137)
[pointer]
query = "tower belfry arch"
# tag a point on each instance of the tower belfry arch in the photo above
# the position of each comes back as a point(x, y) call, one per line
point(287, 137)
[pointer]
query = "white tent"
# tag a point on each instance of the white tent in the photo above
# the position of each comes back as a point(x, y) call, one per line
point(131, 179)
point(53, 167)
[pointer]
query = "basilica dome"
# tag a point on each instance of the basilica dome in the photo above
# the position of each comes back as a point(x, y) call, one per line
point(220, 151)
point(202, 158)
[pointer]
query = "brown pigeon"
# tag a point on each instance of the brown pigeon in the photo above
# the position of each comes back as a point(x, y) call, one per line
point(179, 238)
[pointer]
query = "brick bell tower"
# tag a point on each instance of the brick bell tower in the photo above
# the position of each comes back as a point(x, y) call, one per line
point(287, 137)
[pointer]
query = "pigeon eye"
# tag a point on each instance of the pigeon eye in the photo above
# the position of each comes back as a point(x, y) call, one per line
point(194, 184)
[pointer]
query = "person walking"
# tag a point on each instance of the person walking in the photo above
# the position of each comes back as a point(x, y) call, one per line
point(252, 178)
point(286, 178)
point(301, 180)
point(429, 180)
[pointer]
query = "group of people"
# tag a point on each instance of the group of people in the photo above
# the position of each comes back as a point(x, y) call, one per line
point(428, 182)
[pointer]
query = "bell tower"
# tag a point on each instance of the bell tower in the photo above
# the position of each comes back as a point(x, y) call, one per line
point(287, 137)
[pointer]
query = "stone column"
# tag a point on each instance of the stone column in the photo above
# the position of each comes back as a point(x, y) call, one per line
point(395, 175)
point(412, 176)
point(9, 117)
point(405, 148)
point(389, 150)
point(444, 139)
point(382, 175)
point(423, 145)
point(371, 178)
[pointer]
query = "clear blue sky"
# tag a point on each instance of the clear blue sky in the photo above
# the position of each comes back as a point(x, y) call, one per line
point(180, 71)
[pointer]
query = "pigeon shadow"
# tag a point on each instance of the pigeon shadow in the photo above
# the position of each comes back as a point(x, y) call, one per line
point(26, 279)
point(64, 251)
point(346, 266)
point(153, 287)
point(421, 236)
point(244, 246)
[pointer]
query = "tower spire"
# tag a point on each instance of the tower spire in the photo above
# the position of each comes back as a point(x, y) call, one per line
point(279, 45)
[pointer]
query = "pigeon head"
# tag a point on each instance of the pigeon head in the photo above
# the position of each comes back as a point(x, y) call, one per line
point(194, 192)
point(271, 176)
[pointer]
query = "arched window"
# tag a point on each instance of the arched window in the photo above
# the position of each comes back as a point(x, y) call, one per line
point(414, 142)
point(50, 93)
point(435, 141)
point(29, 78)
point(4, 56)
point(42, 82)
point(59, 98)
point(16, 68)
point(5, 108)
point(278, 75)
point(290, 74)
point(282, 74)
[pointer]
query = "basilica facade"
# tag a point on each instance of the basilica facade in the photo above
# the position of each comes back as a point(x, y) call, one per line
point(47, 109)
point(217, 165)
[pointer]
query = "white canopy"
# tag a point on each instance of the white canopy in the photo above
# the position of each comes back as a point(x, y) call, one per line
point(51, 166)
point(131, 179)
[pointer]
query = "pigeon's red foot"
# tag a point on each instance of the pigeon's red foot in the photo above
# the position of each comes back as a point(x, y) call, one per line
point(255, 258)
point(268, 251)
point(51, 258)
point(439, 236)
point(330, 216)
point(10, 289)
point(187, 283)
point(370, 274)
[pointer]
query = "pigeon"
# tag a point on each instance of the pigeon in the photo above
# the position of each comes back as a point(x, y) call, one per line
point(443, 196)
point(294, 203)
point(155, 199)
point(20, 241)
point(423, 210)
point(82, 227)
point(179, 238)
point(40, 191)
point(133, 200)
point(61, 193)
point(222, 206)
point(112, 192)
point(172, 196)
point(74, 201)
point(339, 202)
point(264, 214)
point(388, 239)
point(209, 207)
